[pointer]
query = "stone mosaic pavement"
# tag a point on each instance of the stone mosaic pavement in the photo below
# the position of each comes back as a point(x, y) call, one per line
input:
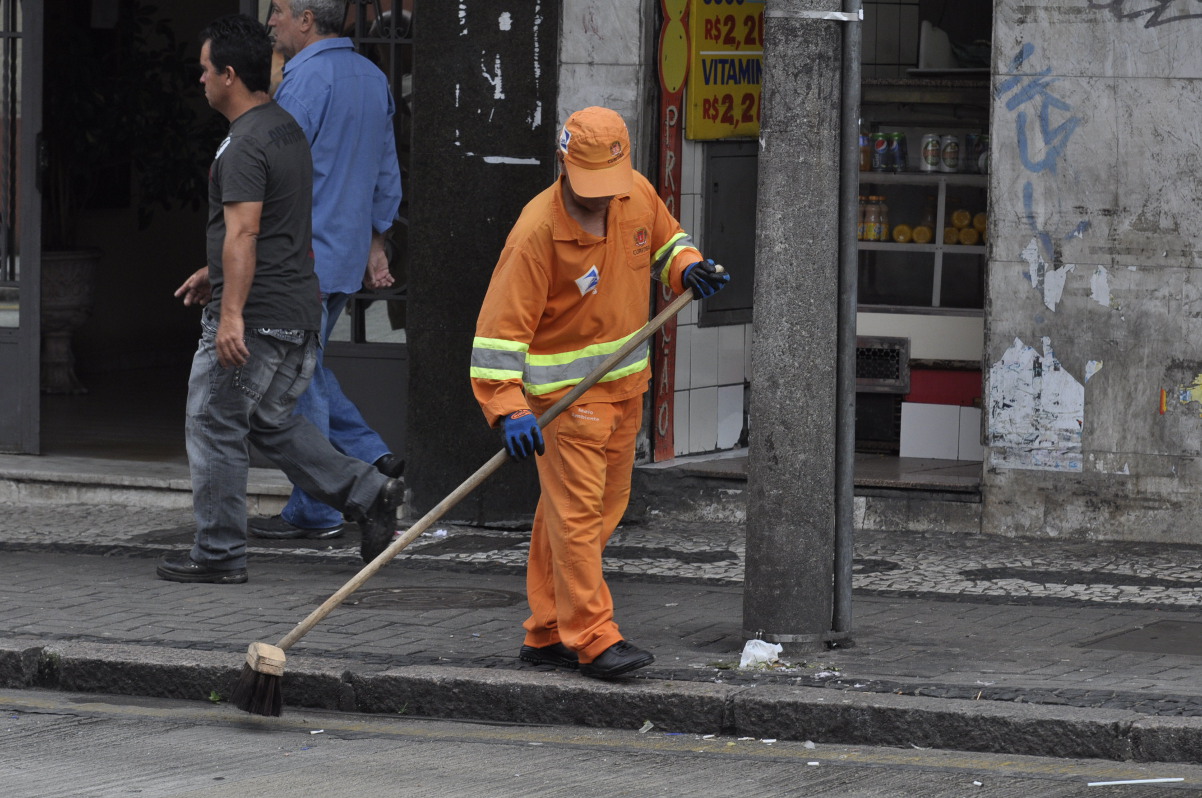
point(930, 565)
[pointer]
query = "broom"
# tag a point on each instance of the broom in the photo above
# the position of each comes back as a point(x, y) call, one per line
point(259, 691)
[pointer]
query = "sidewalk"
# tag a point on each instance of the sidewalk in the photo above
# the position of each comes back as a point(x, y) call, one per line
point(967, 642)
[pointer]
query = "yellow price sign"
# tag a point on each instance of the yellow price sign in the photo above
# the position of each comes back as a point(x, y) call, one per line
point(725, 68)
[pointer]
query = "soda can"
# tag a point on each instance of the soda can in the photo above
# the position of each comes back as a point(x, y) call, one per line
point(880, 152)
point(949, 154)
point(983, 155)
point(898, 152)
point(972, 151)
point(929, 156)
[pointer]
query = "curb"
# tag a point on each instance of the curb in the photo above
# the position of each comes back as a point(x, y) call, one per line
point(551, 697)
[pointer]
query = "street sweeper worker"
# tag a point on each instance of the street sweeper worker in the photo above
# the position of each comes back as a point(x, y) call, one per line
point(572, 284)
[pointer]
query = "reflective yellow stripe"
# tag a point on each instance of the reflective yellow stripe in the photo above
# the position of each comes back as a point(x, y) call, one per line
point(665, 254)
point(547, 373)
point(616, 374)
point(562, 358)
point(494, 374)
point(497, 359)
point(499, 343)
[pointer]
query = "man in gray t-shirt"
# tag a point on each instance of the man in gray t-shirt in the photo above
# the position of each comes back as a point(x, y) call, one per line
point(266, 159)
point(259, 336)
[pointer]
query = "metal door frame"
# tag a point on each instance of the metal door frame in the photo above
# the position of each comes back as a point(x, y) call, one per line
point(20, 265)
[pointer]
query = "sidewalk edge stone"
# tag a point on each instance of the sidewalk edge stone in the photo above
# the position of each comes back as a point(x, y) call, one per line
point(551, 697)
point(20, 664)
point(537, 696)
point(991, 727)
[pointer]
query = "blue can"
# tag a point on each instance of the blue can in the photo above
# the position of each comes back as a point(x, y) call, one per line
point(898, 152)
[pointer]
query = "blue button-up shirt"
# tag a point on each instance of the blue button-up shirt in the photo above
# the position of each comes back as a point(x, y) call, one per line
point(343, 103)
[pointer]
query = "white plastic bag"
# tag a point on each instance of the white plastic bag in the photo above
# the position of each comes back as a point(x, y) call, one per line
point(759, 652)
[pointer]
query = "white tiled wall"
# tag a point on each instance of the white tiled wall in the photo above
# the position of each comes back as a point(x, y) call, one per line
point(712, 363)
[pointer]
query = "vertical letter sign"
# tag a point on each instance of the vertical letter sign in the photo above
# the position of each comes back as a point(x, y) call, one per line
point(673, 66)
point(726, 68)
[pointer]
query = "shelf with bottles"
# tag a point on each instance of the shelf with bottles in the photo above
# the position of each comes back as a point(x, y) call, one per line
point(954, 216)
point(936, 260)
point(924, 179)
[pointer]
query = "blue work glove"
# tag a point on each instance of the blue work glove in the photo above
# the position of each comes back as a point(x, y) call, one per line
point(705, 277)
point(522, 435)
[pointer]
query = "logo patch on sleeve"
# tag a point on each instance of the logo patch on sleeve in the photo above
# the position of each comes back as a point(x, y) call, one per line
point(589, 281)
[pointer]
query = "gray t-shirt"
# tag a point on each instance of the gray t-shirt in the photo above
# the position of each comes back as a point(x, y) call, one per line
point(266, 159)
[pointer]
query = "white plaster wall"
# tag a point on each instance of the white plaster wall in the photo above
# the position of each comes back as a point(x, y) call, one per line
point(1093, 272)
point(931, 337)
point(602, 61)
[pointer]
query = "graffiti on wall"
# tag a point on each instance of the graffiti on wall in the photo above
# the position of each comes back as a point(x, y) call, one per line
point(1036, 411)
point(1158, 12)
point(1043, 124)
point(1036, 407)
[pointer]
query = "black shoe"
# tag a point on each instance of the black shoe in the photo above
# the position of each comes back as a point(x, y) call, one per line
point(556, 654)
point(390, 466)
point(182, 568)
point(276, 528)
point(621, 657)
point(378, 524)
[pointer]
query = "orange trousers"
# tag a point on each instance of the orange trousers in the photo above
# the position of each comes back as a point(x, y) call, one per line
point(585, 480)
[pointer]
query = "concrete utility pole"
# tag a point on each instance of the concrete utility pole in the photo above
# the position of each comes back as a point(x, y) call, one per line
point(791, 515)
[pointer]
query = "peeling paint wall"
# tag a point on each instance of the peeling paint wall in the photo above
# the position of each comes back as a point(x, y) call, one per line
point(486, 82)
point(1095, 212)
point(1036, 411)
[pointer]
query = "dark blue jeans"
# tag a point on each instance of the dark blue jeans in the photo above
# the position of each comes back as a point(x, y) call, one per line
point(336, 417)
point(227, 407)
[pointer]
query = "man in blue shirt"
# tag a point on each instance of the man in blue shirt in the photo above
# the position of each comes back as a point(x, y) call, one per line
point(343, 103)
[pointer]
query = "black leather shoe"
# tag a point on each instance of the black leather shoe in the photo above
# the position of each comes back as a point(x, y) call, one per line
point(276, 528)
point(390, 466)
point(621, 657)
point(556, 654)
point(182, 568)
point(379, 523)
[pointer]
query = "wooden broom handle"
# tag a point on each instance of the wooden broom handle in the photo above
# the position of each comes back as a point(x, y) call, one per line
point(483, 473)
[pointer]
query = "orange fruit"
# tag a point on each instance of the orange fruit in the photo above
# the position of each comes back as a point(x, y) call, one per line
point(902, 234)
point(951, 235)
point(969, 236)
point(980, 222)
point(922, 234)
point(961, 218)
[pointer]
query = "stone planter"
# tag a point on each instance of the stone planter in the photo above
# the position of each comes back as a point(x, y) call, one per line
point(68, 286)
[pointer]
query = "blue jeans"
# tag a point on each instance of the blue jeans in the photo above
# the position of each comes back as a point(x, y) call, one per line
point(227, 407)
point(336, 417)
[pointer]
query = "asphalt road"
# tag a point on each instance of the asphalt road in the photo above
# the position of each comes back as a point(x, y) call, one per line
point(56, 744)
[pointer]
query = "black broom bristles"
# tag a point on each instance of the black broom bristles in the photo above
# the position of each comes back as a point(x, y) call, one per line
point(258, 693)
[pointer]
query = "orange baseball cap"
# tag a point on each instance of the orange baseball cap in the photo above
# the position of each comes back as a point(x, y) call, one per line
point(596, 153)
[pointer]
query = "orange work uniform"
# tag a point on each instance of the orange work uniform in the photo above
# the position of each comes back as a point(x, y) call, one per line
point(560, 301)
